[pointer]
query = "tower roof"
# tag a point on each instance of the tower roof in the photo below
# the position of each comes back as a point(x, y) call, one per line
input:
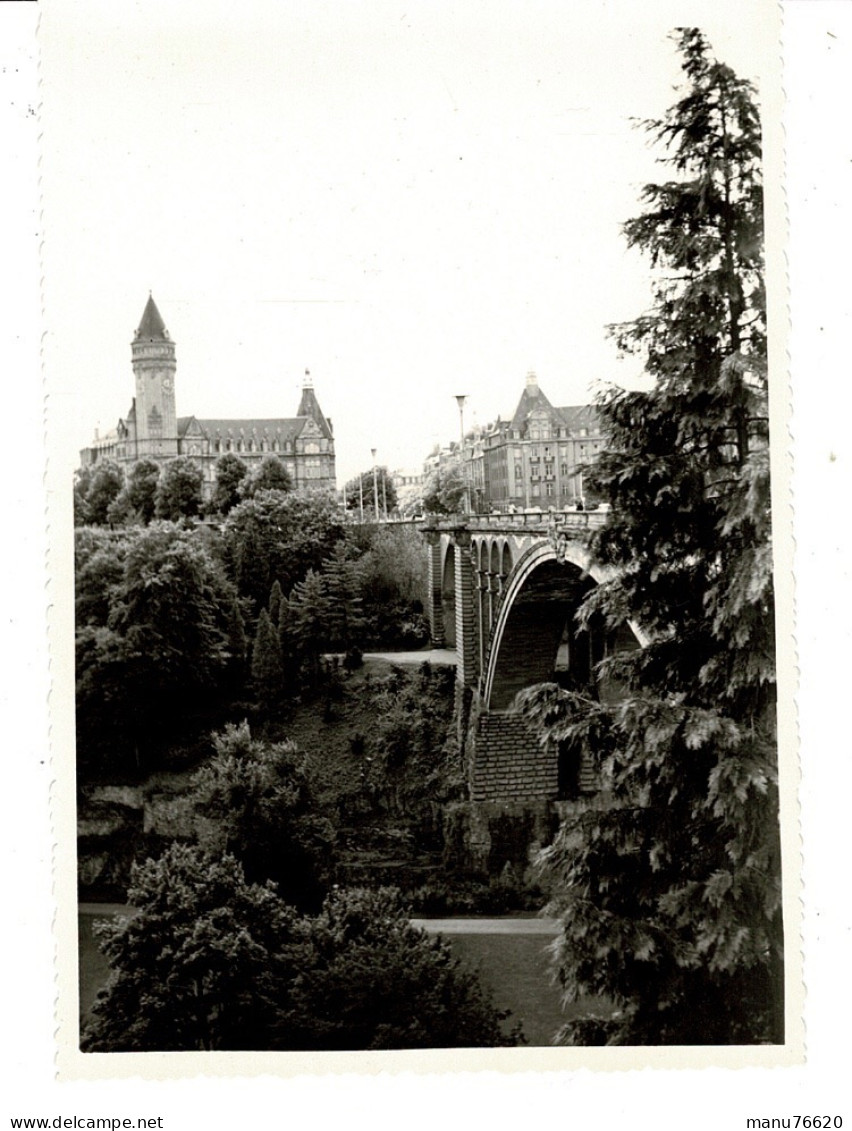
point(309, 406)
point(581, 416)
point(152, 325)
point(532, 398)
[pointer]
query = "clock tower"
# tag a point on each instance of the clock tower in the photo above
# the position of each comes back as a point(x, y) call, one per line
point(154, 368)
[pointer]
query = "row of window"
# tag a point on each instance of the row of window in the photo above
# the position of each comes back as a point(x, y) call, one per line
point(250, 445)
point(253, 446)
point(544, 432)
point(547, 490)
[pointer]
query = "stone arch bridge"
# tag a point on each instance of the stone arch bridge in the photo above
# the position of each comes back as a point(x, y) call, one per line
point(503, 592)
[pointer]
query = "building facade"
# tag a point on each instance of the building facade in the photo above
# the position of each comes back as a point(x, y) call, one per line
point(535, 459)
point(152, 429)
point(408, 484)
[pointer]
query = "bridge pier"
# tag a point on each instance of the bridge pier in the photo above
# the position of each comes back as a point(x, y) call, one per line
point(467, 648)
point(434, 581)
point(508, 763)
point(481, 611)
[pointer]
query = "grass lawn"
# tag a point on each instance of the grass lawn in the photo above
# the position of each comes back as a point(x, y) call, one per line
point(93, 971)
point(515, 968)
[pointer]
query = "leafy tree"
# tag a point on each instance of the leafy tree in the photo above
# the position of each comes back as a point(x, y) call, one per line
point(412, 764)
point(107, 480)
point(361, 488)
point(394, 563)
point(136, 501)
point(82, 483)
point(272, 475)
point(257, 803)
point(668, 885)
point(277, 536)
point(373, 981)
point(179, 490)
point(174, 604)
point(98, 569)
point(210, 962)
point(444, 491)
point(201, 963)
point(230, 473)
point(267, 671)
point(120, 512)
point(162, 650)
point(142, 488)
point(392, 571)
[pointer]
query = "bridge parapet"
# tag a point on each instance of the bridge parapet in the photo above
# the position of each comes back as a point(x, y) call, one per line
point(512, 522)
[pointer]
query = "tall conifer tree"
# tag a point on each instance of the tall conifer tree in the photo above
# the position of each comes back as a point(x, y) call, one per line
point(266, 668)
point(668, 883)
point(276, 596)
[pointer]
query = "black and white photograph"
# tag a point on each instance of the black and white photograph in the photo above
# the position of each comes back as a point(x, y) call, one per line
point(430, 396)
point(417, 403)
point(427, 655)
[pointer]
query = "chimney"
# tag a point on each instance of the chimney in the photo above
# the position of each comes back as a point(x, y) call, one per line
point(532, 381)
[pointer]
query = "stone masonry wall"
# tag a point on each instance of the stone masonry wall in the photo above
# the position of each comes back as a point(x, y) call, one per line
point(509, 764)
point(467, 645)
point(436, 617)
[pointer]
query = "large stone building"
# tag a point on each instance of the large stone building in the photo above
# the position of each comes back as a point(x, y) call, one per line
point(153, 430)
point(532, 460)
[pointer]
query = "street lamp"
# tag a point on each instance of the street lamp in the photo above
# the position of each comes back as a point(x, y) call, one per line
point(460, 399)
point(375, 485)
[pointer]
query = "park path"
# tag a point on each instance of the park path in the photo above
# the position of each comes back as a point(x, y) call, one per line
point(487, 926)
point(424, 656)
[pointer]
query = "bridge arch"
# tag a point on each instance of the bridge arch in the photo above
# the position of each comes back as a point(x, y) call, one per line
point(506, 560)
point(448, 595)
point(535, 617)
point(481, 559)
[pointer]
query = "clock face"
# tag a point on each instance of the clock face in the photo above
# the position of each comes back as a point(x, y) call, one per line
point(166, 383)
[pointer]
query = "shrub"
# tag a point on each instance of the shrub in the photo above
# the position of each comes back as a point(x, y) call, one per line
point(373, 981)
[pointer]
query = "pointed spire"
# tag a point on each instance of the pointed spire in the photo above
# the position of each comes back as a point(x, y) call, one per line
point(309, 406)
point(152, 325)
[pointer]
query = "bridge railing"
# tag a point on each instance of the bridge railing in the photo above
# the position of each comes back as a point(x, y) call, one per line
point(529, 520)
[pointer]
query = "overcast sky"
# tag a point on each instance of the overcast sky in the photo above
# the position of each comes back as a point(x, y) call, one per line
point(411, 200)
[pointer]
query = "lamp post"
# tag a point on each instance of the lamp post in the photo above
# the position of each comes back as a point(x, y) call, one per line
point(460, 399)
point(375, 485)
